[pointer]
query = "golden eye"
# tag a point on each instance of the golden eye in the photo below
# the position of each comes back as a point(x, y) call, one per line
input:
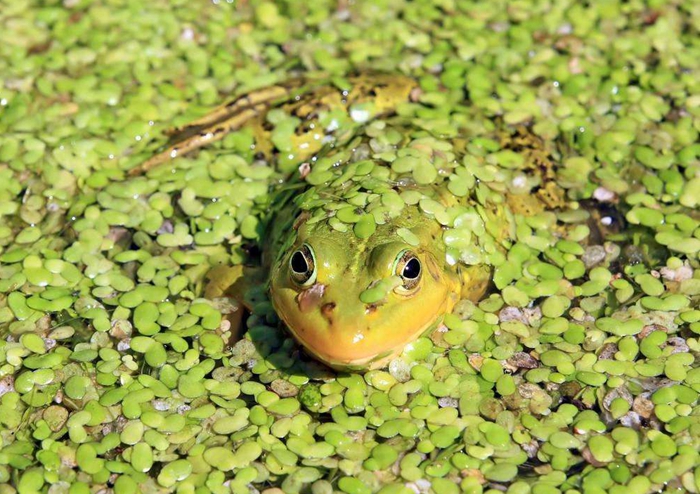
point(302, 266)
point(408, 267)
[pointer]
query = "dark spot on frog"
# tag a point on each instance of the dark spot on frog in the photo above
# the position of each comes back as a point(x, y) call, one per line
point(327, 311)
point(39, 48)
point(371, 308)
point(650, 17)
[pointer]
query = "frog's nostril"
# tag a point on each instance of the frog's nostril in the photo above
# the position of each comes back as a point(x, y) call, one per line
point(327, 309)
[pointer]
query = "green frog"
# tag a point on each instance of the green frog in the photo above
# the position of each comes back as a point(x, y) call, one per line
point(379, 227)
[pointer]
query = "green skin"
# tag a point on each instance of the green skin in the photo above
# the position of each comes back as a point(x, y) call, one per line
point(359, 212)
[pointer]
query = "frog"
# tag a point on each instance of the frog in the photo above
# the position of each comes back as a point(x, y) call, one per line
point(378, 227)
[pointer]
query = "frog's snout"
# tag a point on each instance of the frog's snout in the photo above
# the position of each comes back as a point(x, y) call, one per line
point(318, 299)
point(329, 312)
point(339, 329)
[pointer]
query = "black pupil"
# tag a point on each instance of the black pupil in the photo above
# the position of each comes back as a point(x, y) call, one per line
point(412, 269)
point(299, 264)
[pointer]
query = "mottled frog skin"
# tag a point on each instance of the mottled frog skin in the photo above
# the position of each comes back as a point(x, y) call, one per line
point(379, 227)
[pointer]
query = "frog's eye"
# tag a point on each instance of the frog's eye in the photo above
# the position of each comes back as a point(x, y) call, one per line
point(408, 267)
point(302, 266)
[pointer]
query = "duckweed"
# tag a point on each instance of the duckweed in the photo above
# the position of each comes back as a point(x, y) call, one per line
point(577, 374)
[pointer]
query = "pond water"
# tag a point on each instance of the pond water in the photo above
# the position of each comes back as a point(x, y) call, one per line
point(577, 372)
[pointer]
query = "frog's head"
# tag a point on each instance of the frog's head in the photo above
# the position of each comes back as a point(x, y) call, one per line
point(320, 283)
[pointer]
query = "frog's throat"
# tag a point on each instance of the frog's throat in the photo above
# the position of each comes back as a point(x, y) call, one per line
point(375, 360)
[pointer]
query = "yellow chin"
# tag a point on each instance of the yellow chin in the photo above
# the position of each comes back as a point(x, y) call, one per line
point(350, 353)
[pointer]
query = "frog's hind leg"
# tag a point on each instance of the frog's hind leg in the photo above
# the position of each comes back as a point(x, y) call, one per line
point(604, 219)
point(206, 136)
point(302, 98)
point(215, 125)
point(265, 96)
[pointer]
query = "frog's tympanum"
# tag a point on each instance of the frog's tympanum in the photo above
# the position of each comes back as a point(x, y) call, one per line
point(381, 224)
